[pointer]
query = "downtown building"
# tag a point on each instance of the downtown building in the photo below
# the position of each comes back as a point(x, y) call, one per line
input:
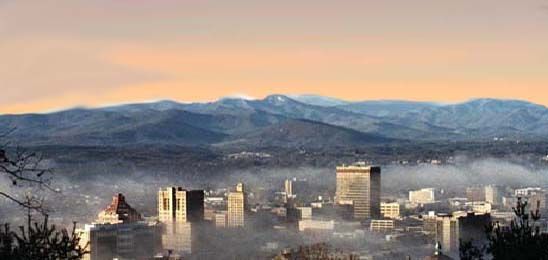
point(390, 210)
point(180, 211)
point(359, 188)
point(295, 187)
point(475, 194)
point(382, 225)
point(423, 196)
point(460, 226)
point(120, 233)
point(237, 203)
point(492, 195)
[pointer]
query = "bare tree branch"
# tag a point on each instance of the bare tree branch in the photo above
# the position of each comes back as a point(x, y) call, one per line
point(28, 204)
point(24, 168)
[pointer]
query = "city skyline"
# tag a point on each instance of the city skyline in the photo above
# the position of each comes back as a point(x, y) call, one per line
point(200, 129)
point(100, 53)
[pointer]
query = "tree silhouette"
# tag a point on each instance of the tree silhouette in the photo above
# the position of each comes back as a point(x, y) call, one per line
point(36, 240)
point(23, 169)
point(40, 241)
point(521, 239)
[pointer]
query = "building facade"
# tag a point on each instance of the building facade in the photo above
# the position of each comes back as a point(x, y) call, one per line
point(475, 194)
point(465, 226)
point(295, 187)
point(118, 212)
point(139, 240)
point(180, 211)
point(390, 210)
point(312, 225)
point(422, 196)
point(492, 195)
point(472, 227)
point(359, 185)
point(447, 232)
point(178, 204)
point(382, 225)
point(236, 206)
point(120, 232)
point(221, 219)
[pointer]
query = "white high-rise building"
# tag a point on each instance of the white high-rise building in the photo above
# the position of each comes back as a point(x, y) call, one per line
point(422, 196)
point(492, 195)
point(236, 206)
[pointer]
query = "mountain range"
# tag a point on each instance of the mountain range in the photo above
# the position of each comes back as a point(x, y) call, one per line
point(281, 121)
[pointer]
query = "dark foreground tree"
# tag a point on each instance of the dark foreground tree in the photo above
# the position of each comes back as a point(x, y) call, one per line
point(521, 239)
point(36, 240)
point(40, 241)
point(469, 251)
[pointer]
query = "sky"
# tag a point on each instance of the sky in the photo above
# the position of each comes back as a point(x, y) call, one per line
point(62, 54)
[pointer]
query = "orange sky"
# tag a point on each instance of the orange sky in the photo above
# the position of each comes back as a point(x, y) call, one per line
point(62, 54)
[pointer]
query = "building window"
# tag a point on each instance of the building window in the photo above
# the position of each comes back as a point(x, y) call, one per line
point(166, 204)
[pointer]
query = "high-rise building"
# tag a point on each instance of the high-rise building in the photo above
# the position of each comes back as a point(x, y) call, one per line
point(121, 241)
point(180, 210)
point(294, 187)
point(475, 194)
point(492, 195)
point(423, 196)
point(236, 206)
point(359, 185)
point(472, 227)
point(288, 184)
point(447, 232)
point(450, 229)
point(120, 232)
point(390, 210)
point(178, 204)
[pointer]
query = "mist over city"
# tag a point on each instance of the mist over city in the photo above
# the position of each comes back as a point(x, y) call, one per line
point(283, 130)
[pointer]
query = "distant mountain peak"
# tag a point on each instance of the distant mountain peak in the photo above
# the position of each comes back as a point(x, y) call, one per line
point(318, 100)
point(277, 99)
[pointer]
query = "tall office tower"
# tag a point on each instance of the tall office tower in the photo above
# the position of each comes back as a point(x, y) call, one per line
point(492, 195)
point(236, 207)
point(423, 196)
point(178, 210)
point(468, 227)
point(289, 187)
point(178, 204)
point(295, 187)
point(475, 194)
point(447, 232)
point(472, 228)
point(359, 185)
